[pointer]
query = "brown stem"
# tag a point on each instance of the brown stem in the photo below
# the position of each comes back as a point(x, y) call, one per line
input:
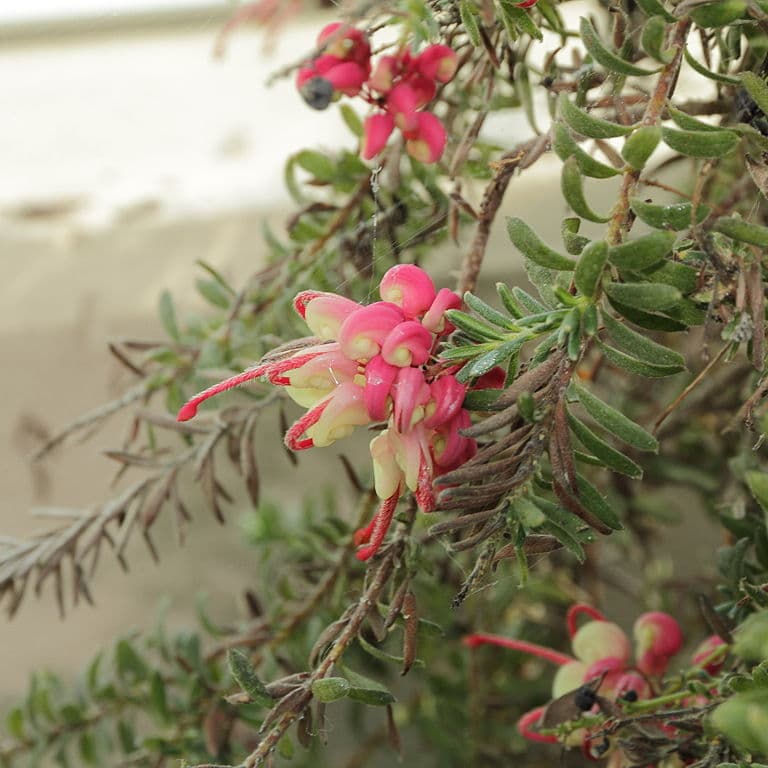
point(619, 223)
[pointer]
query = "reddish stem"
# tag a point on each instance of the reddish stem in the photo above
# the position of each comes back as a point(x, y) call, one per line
point(533, 649)
point(532, 718)
point(575, 611)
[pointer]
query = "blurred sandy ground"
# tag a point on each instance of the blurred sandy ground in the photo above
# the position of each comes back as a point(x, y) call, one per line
point(125, 156)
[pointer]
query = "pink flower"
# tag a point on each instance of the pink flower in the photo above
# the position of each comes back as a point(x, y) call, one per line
point(376, 132)
point(369, 363)
point(657, 639)
point(705, 649)
point(437, 62)
point(426, 141)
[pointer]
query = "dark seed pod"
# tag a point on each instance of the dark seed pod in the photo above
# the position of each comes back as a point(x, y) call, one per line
point(585, 698)
point(317, 92)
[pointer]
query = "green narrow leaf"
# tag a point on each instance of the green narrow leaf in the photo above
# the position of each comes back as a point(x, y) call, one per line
point(700, 143)
point(643, 252)
point(653, 39)
point(588, 125)
point(681, 276)
point(527, 301)
point(330, 689)
point(633, 365)
point(529, 244)
point(757, 88)
point(595, 502)
point(128, 662)
point(573, 241)
point(606, 58)
point(351, 119)
point(524, 94)
point(758, 485)
point(468, 13)
point(212, 292)
point(590, 267)
point(322, 167)
point(366, 690)
point(606, 454)
point(639, 346)
point(474, 328)
point(655, 8)
point(720, 13)
point(640, 145)
point(126, 737)
point(648, 320)
point(565, 146)
point(688, 123)
point(487, 312)
point(509, 301)
point(694, 64)
point(676, 216)
point(517, 21)
point(245, 676)
point(743, 231)
point(14, 723)
point(572, 185)
point(646, 296)
point(168, 315)
point(488, 360)
point(614, 421)
point(157, 697)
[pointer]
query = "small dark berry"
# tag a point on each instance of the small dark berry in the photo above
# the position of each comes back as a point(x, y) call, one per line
point(317, 92)
point(629, 696)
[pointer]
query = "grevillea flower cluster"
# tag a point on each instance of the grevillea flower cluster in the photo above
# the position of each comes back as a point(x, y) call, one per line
point(374, 364)
point(602, 652)
point(399, 86)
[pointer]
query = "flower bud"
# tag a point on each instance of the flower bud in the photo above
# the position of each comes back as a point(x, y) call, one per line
point(409, 393)
point(364, 330)
point(379, 378)
point(568, 678)
point(600, 639)
point(376, 132)
point(402, 104)
point(324, 313)
point(434, 319)
point(446, 399)
point(347, 77)
point(437, 62)
point(345, 410)
point(657, 638)
point(427, 141)
point(408, 343)
point(384, 74)
point(409, 287)
point(387, 475)
point(705, 649)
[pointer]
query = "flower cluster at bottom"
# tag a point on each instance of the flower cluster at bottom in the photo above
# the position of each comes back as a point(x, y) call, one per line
point(601, 665)
point(374, 364)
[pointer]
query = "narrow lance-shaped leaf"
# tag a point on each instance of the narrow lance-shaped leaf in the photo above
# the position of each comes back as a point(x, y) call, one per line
point(574, 242)
point(639, 346)
point(633, 365)
point(468, 13)
point(330, 689)
point(565, 146)
point(646, 296)
point(614, 421)
point(700, 143)
point(694, 63)
point(743, 231)
point(640, 145)
point(655, 8)
point(607, 454)
point(642, 252)
point(487, 312)
point(608, 59)
point(488, 360)
point(675, 216)
point(245, 676)
point(653, 38)
point(590, 267)
point(529, 244)
point(720, 13)
point(757, 88)
point(572, 185)
point(688, 123)
point(589, 125)
point(524, 94)
point(595, 502)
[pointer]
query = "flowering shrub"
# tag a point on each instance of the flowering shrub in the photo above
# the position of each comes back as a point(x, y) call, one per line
point(557, 431)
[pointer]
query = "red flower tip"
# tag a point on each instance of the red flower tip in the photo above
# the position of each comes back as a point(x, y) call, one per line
point(437, 62)
point(526, 3)
point(427, 142)
point(189, 409)
point(376, 132)
point(187, 412)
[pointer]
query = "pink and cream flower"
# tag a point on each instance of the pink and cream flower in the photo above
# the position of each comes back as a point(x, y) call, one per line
point(374, 364)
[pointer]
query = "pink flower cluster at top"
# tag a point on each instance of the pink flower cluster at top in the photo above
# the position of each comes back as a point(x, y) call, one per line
point(399, 86)
point(602, 650)
point(367, 364)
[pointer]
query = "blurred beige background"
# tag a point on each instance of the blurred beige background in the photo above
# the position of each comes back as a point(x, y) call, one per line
point(128, 152)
